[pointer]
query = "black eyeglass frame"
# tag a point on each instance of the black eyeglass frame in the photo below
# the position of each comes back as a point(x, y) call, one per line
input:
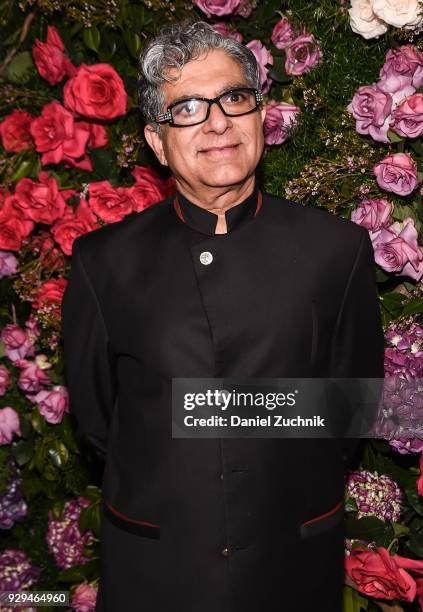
point(168, 118)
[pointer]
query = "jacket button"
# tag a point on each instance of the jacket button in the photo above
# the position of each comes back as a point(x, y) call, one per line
point(226, 552)
point(221, 476)
point(206, 258)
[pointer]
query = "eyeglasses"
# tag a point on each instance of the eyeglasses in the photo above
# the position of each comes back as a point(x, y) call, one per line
point(192, 111)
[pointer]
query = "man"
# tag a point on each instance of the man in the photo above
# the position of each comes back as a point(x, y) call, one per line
point(221, 281)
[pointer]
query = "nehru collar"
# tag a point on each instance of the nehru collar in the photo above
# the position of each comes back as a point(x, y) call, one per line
point(205, 221)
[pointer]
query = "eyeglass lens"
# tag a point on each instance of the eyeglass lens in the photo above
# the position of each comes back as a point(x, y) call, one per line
point(236, 102)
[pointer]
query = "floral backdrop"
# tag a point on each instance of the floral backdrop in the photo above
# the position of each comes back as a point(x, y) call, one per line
point(343, 85)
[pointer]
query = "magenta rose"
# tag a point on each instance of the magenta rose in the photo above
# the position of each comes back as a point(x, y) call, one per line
point(8, 263)
point(39, 201)
point(31, 376)
point(282, 34)
point(16, 341)
point(373, 214)
point(245, 8)
point(84, 598)
point(397, 173)
point(9, 425)
point(50, 59)
point(14, 131)
point(60, 138)
point(403, 68)
point(53, 404)
point(263, 57)
point(217, 7)
point(397, 250)
point(96, 91)
point(223, 28)
point(408, 117)
point(371, 108)
point(302, 54)
point(280, 118)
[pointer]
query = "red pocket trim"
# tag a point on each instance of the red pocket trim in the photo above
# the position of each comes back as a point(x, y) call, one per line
point(130, 520)
point(325, 515)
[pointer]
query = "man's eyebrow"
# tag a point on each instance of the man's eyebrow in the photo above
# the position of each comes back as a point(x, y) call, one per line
point(227, 87)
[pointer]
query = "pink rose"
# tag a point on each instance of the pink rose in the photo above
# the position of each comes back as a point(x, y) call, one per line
point(282, 34)
point(109, 203)
point(245, 8)
point(373, 214)
point(50, 59)
point(419, 483)
point(53, 404)
point(9, 424)
point(397, 250)
point(280, 118)
point(31, 376)
point(263, 57)
point(149, 188)
point(8, 263)
point(4, 379)
point(16, 341)
point(408, 117)
point(378, 574)
point(72, 225)
point(223, 28)
point(14, 131)
point(302, 54)
point(397, 173)
point(96, 91)
point(84, 598)
point(60, 138)
point(39, 201)
point(217, 7)
point(402, 69)
point(371, 108)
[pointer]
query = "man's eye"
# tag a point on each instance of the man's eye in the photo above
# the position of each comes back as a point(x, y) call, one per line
point(234, 97)
point(190, 107)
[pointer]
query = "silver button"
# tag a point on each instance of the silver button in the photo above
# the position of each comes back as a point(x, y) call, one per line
point(221, 477)
point(206, 258)
point(226, 552)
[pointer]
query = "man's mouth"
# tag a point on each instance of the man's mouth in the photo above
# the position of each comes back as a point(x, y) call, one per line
point(226, 149)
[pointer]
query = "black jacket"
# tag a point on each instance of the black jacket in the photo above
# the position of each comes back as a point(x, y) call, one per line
point(290, 292)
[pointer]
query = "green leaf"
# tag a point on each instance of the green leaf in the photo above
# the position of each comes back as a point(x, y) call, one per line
point(393, 301)
point(414, 306)
point(393, 136)
point(277, 71)
point(38, 422)
point(381, 276)
point(92, 493)
point(22, 451)
point(21, 68)
point(353, 600)
point(415, 544)
point(91, 38)
point(24, 169)
point(133, 42)
point(401, 212)
point(90, 518)
point(414, 500)
point(102, 162)
point(369, 528)
point(59, 454)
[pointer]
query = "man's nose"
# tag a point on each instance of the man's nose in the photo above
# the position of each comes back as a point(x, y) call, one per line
point(217, 120)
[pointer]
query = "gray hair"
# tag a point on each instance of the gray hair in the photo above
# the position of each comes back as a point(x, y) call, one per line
point(174, 47)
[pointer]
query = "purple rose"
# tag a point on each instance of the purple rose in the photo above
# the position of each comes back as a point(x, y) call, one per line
point(397, 173)
point(397, 250)
point(16, 341)
point(245, 8)
point(302, 54)
point(263, 57)
point(223, 29)
point(282, 34)
point(84, 598)
point(371, 108)
point(53, 404)
point(8, 263)
point(408, 117)
point(217, 7)
point(31, 376)
point(373, 214)
point(9, 424)
point(280, 117)
point(403, 68)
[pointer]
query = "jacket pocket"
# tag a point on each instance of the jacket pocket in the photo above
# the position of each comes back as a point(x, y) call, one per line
point(137, 527)
point(319, 524)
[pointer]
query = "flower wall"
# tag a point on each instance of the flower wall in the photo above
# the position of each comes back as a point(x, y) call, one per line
point(343, 85)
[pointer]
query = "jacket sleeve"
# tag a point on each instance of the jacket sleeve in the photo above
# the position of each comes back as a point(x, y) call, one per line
point(88, 360)
point(357, 349)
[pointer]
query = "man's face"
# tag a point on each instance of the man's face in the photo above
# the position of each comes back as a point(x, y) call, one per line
point(221, 151)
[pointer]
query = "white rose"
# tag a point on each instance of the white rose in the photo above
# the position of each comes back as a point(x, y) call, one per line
point(363, 20)
point(399, 13)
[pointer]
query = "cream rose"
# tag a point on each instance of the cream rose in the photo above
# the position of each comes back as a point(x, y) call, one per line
point(364, 21)
point(399, 13)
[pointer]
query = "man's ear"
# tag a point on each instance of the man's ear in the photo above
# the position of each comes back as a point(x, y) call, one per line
point(155, 142)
